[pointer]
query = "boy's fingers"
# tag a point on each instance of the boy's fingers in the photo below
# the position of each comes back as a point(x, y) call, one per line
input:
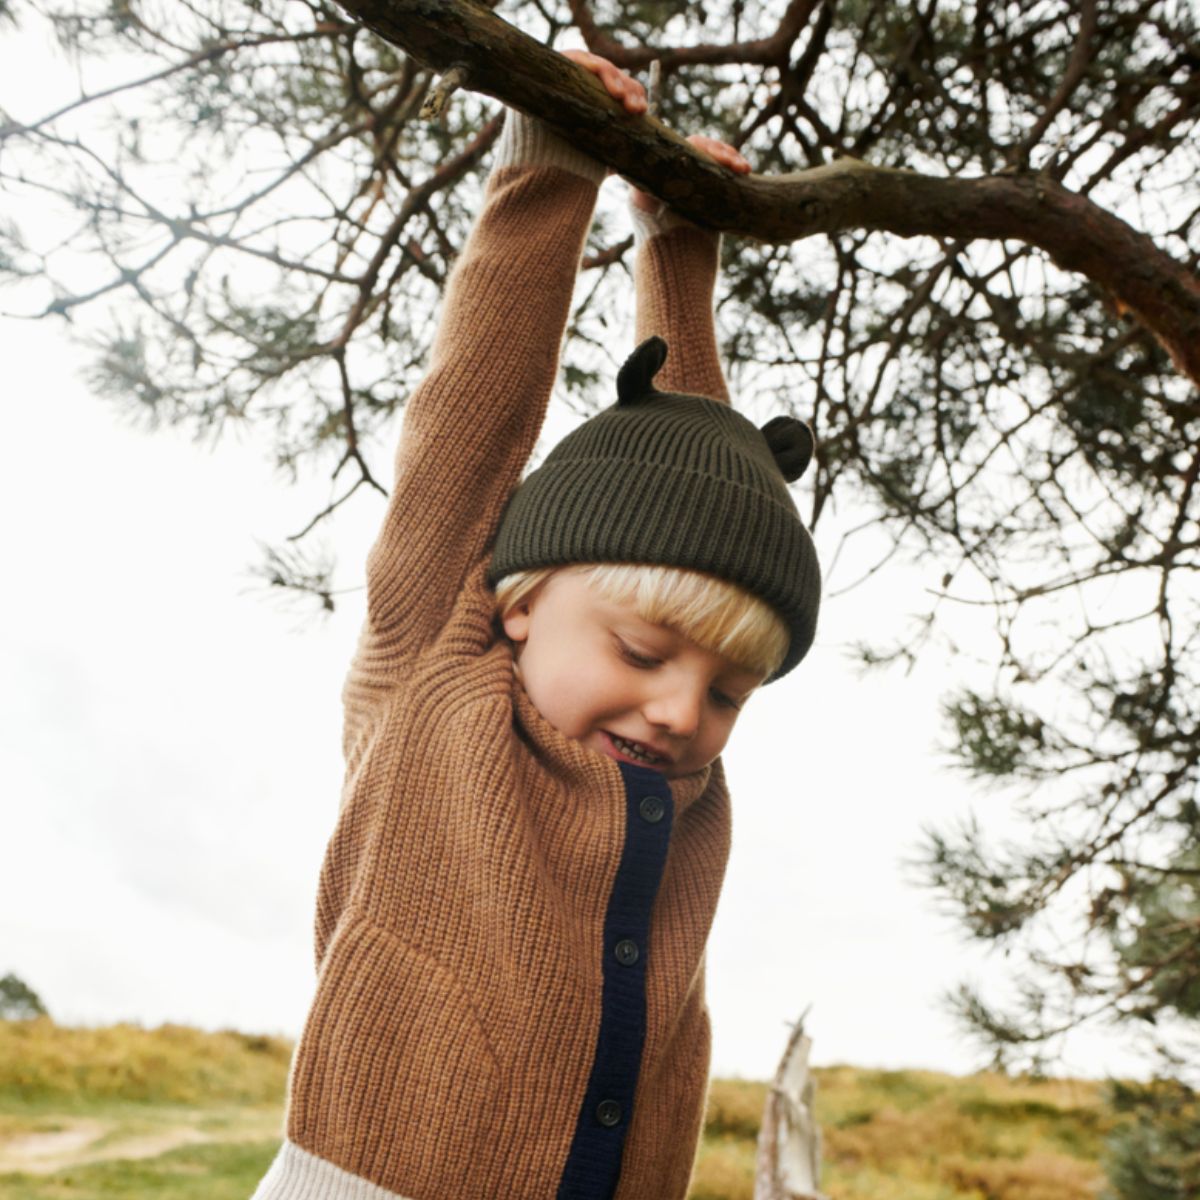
point(622, 87)
point(617, 83)
point(722, 152)
point(738, 163)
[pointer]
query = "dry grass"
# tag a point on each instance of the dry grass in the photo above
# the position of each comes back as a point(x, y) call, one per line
point(889, 1135)
point(919, 1135)
point(724, 1169)
point(42, 1063)
point(1036, 1177)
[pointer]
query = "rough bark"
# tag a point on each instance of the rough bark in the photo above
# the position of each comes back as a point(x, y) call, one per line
point(1080, 236)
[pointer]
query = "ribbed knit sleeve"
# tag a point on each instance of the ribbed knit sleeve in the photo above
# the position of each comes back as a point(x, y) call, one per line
point(676, 272)
point(471, 424)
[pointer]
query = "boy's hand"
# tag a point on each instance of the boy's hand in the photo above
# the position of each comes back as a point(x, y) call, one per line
point(623, 87)
point(721, 152)
point(619, 85)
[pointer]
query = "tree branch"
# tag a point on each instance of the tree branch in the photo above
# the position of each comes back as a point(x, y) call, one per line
point(770, 51)
point(1080, 60)
point(1079, 235)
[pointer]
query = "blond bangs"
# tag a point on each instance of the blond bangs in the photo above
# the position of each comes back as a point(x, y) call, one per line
point(715, 614)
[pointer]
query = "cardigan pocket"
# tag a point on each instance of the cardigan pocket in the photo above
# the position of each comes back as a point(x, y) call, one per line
point(394, 1078)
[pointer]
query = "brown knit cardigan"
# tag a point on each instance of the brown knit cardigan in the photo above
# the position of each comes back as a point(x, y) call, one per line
point(460, 932)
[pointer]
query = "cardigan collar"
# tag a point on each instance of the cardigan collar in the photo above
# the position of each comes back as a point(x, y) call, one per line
point(582, 767)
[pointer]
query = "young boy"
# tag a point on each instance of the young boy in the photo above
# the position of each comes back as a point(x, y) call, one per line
point(514, 905)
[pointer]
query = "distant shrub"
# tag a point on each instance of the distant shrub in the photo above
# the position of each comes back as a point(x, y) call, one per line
point(18, 1001)
point(1155, 1153)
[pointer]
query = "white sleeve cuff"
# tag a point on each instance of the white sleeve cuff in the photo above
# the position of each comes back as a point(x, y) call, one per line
point(650, 224)
point(526, 142)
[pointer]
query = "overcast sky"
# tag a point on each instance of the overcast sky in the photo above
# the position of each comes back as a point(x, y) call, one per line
point(170, 758)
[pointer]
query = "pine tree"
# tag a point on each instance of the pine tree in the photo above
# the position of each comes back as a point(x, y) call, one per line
point(258, 232)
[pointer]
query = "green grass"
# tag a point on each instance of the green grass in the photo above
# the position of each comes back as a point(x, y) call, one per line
point(889, 1135)
point(210, 1172)
point(129, 1087)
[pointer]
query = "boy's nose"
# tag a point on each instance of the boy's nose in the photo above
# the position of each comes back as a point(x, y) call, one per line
point(677, 711)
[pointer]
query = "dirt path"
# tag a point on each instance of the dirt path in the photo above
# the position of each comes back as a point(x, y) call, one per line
point(41, 1153)
point(76, 1144)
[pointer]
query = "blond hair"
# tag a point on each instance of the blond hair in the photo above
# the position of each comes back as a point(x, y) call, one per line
point(717, 615)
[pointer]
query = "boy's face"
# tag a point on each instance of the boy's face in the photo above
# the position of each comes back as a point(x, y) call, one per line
point(638, 692)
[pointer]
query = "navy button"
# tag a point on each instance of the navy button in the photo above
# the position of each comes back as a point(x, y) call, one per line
point(652, 809)
point(627, 952)
point(608, 1113)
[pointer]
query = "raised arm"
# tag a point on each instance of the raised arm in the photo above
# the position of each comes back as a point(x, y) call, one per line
point(675, 272)
point(471, 424)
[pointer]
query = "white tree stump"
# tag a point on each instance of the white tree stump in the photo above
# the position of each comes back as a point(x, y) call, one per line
point(789, 1142)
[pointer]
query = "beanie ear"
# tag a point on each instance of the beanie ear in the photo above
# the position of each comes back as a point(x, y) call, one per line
point(791, 443)
point(635, 380)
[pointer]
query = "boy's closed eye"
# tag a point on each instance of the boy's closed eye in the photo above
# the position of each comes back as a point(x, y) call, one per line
point(646, 662)
point(636, 657)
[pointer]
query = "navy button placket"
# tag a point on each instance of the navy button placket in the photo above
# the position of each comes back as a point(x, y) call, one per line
point(593, 1164)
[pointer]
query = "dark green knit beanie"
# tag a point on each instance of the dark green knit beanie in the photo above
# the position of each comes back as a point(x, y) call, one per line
point(673, 480)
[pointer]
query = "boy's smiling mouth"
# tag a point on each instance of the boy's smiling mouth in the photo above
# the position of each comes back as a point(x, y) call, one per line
point(637, 752)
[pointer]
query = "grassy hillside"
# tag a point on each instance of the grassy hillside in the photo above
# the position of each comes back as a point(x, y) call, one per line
point(919, 1135)
point(124, 1113)
point(46, 1064)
